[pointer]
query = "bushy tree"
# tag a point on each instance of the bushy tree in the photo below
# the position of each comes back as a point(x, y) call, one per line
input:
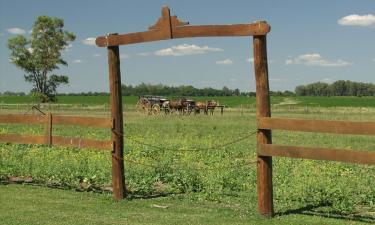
point(40, 54)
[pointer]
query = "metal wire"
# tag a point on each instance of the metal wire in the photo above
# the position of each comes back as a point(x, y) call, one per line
point(215, 147)
point(174, 167)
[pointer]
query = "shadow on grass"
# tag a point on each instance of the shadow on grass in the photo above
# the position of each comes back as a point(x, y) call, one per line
point(313, 210)
point(96, 189)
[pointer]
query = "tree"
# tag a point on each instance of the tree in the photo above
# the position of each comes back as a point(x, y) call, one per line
point(39, 55)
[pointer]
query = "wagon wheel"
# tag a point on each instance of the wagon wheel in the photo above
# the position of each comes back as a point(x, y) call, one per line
point(143, 106)
point(155, 109)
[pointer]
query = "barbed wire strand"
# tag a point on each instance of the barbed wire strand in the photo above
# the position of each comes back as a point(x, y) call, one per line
point(173, 167)
point(215, 147)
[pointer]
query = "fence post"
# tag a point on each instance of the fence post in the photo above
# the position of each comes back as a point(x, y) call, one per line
point(48, 129)
point(118, 176)
point(263, 109)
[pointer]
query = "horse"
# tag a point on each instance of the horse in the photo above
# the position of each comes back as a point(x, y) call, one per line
point(179, 105)
point(205, 106)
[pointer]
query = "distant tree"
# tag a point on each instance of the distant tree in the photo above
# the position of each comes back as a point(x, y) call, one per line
point(39, 55)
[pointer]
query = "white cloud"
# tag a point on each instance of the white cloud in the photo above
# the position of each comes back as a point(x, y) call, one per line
point(186, 49)
point(357, 20)
point(225, 62)
point(16, 30)
point(233, 80)
point(89, 41)
point(144, 54)
point(96, 55)
point(327, 80)
point(77, 61)
point(250, 60)
point(314, 59)
point(124, 56)
point(68, 47)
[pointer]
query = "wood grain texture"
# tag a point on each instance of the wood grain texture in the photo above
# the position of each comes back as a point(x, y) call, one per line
point(263, 109)
point(82, 121)
point(81, 143)
point(118, 171)
point(21, 139)
point(22, 119)
point(324, 126)
point(48, 129)
point(340, 155)
point(185, 32)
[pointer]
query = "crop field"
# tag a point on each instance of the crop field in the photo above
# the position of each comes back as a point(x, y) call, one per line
point(196, 161)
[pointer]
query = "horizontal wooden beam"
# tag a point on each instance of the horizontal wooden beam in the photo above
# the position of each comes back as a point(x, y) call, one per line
point(23, 119)
point(324, 126)
point(81, 143)
point(56, 140)
point(21, 139)
point(253, 29)
point(82, 121)
point(339, 155)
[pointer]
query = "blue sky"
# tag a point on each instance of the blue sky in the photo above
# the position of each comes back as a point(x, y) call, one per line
point(309, 41)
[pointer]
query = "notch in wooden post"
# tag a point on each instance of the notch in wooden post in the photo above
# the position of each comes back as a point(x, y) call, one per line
point(48, 129)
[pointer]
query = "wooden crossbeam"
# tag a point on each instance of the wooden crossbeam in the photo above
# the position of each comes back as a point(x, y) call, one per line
point(170, 27)
point(339, 155)
point(324, 126)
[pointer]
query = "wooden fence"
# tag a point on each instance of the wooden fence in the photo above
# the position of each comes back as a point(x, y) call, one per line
point(48, 121)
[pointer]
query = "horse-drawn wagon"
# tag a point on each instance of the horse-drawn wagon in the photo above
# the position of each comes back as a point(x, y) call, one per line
point(150, 104)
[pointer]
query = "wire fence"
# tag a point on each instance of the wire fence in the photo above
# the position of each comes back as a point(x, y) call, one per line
point(177, 167)
point(164, 148)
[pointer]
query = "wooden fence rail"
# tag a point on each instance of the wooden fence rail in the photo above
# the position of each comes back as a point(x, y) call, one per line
point(323, 126)
point(48, 139)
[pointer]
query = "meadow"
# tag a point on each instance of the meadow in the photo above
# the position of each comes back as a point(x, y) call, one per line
point(183, 162)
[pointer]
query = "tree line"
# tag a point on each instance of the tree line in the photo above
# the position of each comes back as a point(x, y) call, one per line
point(338, 88)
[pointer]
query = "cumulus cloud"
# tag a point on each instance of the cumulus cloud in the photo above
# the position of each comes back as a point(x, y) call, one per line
point(77, 61)
point(357, 20)
point(224, 62)
point(186, 49)
point(68, 47)
point(16, 30)
point(327, 80)
point(89, 41)
point(315, 59)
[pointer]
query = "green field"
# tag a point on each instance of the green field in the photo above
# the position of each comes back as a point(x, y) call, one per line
point(207, 186)
point(232, 101)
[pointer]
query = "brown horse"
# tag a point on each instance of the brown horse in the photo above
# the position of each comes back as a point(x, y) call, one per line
point(179, 105)
point(205, 107)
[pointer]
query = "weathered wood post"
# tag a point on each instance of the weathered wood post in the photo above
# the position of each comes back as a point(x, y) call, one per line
point(48, 129)
point(118, 176)
point(263, 109)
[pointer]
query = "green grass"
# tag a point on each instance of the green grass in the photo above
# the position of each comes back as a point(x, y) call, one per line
point(210, 178)
point(30, 205)
point(231, 101)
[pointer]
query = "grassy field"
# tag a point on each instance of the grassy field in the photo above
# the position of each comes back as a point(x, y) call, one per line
point(232, 101)
point(215, 186)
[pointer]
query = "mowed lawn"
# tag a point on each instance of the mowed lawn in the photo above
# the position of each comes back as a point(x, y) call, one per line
point(25, 204)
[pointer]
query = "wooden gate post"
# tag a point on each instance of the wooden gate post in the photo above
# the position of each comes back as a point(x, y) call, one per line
point(263, 109)
point(118, 176)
